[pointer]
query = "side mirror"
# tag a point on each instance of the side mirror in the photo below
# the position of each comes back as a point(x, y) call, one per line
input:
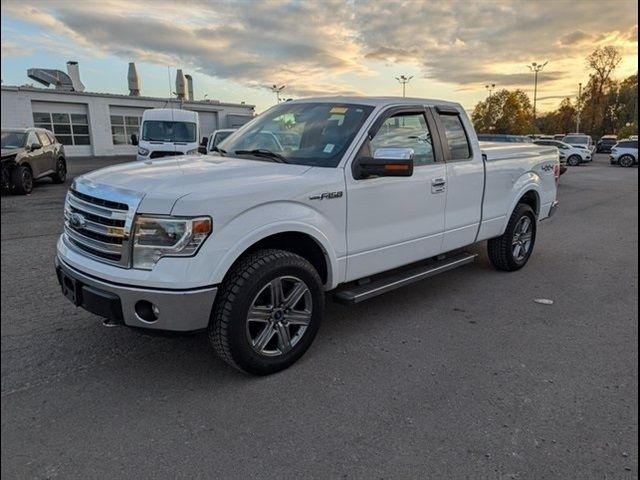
point(202, 149)
point(34, 146)
point(386, 162)
point(134, 139)
point(204, 141)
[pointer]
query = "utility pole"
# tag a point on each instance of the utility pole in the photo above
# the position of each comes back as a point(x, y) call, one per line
point(277, 89)
point(579, 107)
point(403, 80)
point(535, 68)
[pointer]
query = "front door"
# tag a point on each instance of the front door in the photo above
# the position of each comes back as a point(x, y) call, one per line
point(392, 221)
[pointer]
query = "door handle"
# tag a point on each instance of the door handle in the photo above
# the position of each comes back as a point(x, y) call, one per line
point(438, 185)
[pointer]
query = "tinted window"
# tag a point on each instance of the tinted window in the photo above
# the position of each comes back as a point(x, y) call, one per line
point(44, 139)
point(32, 138)
point(456, 137)
point(576, 139)
point(628, 144)
point(220, 136)
point(167, 131)
point(406, 130)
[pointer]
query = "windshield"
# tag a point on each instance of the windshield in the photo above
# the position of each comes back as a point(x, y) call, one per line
point(576, 139)
point(220, 136)
point(164, 131)
point(315, 134)
point(13, 139)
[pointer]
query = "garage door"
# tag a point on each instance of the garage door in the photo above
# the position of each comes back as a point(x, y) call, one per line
point(68, 121)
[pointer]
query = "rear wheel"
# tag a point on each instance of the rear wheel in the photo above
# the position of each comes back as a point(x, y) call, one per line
point(61, 171)
point(512, 250)
point(21, 180)
point(268, 312)
point(574, 160)
point(626, 161)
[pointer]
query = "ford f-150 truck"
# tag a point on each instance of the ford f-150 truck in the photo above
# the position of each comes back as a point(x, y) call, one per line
point(376, 193)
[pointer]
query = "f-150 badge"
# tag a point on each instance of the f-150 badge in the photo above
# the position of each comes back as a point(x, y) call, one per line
point(326, 195)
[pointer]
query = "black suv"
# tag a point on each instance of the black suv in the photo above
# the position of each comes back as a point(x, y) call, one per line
point(29, 154)
point(605, 144)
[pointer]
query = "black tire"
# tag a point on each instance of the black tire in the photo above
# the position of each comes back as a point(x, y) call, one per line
point(21, 180)
point(61, 171)
point(228, 328)
point(501, 249)
point(574, 161)
point(626, 161)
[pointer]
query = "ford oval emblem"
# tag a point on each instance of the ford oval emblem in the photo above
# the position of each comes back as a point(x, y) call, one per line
point(77, 221)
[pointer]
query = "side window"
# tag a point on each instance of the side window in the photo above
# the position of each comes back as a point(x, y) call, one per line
point(52, 139)
point(44, 139)
point(406, 130)
point(31, 139)
point(456, 137)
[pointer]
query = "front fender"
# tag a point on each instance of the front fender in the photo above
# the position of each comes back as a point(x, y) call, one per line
point(233, 237)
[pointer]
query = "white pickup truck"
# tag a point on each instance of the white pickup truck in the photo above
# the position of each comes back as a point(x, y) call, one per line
point(245, 243)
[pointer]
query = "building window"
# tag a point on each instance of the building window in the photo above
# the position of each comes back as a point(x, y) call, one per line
point(122, 127)
point(69, 129)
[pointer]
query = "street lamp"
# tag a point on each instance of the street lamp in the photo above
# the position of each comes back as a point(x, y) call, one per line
point(277, 89)
point(579, 107)
point(490, 87)
point(403, 81)
point(535, 68)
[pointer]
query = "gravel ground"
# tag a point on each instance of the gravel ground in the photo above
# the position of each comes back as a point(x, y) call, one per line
point(460, 376)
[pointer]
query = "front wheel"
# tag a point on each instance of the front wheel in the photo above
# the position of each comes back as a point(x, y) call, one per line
point(21, 180)
point(626, 161)
point(512, 250)
point(573, 161)
point(268, 312)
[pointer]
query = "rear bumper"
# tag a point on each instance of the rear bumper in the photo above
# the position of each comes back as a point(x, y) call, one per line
point(175, 310)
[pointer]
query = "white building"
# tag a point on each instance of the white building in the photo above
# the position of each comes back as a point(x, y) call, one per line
point(101, 124)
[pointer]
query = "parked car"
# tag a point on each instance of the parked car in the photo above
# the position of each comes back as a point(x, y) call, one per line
point(624, 153)
point(247, 246)
point(216, 137)
point(580, 140)
point(574, 156)
point(491, 137)
point(559, 136)
point(167, 132)
point(29, 154)
point(605, 143)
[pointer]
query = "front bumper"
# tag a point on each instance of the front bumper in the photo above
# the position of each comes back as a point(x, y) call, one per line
point(175, 310)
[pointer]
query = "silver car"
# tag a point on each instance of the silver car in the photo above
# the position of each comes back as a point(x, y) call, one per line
point(624, 153)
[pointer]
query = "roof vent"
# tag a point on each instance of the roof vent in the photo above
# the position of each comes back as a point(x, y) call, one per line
point(133, 80)
point(47, 77)
point(74, 74)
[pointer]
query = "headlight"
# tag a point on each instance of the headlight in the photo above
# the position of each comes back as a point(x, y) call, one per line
point(143, 151)
point(157, 237)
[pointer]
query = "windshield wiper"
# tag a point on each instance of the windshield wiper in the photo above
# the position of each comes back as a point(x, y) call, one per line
point(263, 152)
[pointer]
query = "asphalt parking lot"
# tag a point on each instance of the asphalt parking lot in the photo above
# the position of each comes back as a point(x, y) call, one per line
point(460, 376)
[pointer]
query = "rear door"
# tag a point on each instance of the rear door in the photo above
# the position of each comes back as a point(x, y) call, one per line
point(465, 177)
point(392, 221)
point(36, 156)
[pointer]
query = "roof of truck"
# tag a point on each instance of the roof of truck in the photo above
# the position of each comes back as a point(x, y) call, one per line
point(376, 101)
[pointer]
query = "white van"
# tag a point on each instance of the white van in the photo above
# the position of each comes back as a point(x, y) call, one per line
point(166, 132)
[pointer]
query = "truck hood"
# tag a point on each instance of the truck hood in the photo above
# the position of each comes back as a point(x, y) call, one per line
point(163, 182)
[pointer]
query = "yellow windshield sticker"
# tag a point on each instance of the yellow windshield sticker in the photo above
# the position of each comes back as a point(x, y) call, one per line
point(338, 110)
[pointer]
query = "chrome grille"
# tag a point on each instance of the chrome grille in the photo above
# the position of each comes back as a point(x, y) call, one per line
point(97, 222)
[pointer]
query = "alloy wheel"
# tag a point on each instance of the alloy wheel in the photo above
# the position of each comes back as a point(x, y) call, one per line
point(522, 239)
point(279, 316)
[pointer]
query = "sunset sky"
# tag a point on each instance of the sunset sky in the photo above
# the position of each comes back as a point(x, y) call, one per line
point(234, 50)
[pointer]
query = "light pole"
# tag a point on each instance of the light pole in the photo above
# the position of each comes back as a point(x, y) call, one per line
point(277, 89)
point(535, 68)
point(490, 87)
point(579, 107)
point(403, 81)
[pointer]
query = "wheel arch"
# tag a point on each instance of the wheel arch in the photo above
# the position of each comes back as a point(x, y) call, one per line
point(301, 239)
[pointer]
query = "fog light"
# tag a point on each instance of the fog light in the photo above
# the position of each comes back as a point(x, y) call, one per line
point(147, 311)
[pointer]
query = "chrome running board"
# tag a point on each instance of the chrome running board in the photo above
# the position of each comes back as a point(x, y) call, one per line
point(354, 293)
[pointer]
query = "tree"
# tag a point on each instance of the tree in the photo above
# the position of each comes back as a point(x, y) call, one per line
point(602, 62)
point(505, 111)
